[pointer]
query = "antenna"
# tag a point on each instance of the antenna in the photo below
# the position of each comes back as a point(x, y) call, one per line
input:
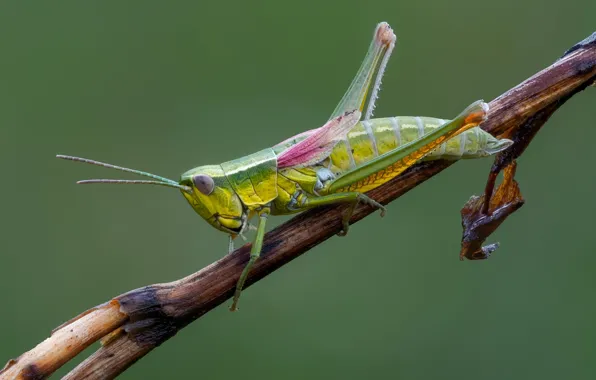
point(158, 179)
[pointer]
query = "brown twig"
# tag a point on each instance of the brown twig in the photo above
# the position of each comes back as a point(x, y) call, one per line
point(134, 323)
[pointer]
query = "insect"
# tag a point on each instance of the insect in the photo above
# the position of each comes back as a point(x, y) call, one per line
point(336, 163)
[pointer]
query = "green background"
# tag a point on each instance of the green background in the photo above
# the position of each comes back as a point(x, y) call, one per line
point(166, 86)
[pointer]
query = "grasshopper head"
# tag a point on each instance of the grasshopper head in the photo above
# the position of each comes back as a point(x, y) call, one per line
point(206, 188)
point(212, 197)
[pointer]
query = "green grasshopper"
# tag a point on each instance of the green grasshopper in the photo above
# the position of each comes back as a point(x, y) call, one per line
point(336, 163)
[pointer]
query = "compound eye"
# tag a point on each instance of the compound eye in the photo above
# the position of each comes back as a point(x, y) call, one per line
point(204, 183)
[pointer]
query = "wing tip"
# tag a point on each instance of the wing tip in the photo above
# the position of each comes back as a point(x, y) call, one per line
point(384, 35)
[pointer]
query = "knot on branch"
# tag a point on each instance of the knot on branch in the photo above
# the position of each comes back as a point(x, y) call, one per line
point(147, 323)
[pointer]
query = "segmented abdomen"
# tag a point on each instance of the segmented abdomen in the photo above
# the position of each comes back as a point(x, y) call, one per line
point(369, 139)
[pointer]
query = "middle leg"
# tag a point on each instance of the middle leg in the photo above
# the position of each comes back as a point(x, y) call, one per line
point(352, 197)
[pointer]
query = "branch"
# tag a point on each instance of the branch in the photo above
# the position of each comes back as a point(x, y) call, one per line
point(136, 322)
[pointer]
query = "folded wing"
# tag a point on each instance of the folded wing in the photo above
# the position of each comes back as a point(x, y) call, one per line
point(319, 143)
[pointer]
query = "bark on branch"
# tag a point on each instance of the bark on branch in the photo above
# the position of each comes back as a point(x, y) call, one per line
point(136, 322)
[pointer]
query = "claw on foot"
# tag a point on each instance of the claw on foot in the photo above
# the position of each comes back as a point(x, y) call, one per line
point(371, 202)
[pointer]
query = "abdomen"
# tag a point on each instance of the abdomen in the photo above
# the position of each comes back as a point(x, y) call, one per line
point(369, 139)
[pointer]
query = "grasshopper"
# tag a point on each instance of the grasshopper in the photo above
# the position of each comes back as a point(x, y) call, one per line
point(336, 163)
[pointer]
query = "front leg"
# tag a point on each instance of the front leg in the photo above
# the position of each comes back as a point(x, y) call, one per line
point(247, 226)
point(255, 252)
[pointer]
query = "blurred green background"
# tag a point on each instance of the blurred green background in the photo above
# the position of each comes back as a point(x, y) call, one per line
point(166, 86)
